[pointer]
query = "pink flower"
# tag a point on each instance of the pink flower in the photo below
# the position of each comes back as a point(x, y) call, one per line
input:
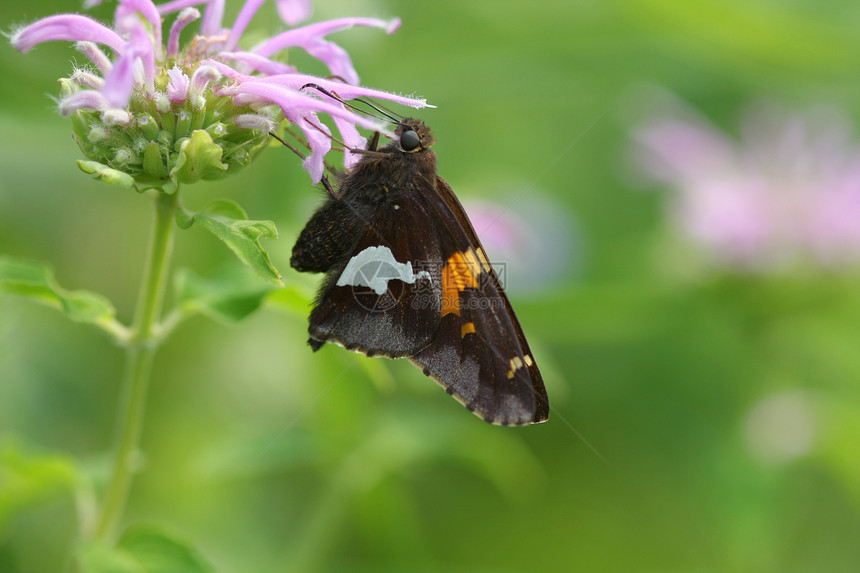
point(142, 79)
point(788, 191)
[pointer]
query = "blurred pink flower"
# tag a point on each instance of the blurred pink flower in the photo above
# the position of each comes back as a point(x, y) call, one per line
point(787, 192)
point(533, 244)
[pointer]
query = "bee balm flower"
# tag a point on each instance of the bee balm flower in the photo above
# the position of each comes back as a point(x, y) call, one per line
point(787, 192)
point(153, 114)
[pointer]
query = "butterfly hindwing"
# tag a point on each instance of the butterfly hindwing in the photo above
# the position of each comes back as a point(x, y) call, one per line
point(332, 230)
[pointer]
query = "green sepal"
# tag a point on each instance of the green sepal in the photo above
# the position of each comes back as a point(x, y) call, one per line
point(106, 174)
point(67, 87)
point(80, 125)
point(36, 281)
point(199, 158)
point(143, 548)
point(230, 296)
point(153, 162)
point(228, 221)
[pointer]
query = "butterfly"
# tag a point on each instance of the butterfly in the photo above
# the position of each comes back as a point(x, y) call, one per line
point(407, 277)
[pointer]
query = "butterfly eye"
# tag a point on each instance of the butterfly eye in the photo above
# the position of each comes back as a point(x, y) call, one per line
point(409, 140)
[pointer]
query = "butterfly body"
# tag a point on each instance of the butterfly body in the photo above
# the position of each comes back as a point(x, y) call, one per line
point(406, 276)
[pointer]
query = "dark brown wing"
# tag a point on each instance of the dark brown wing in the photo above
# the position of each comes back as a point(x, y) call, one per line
point(384, 298)
point(479, 353)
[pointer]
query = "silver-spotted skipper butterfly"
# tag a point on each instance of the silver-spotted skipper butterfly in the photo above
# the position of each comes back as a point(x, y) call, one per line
point(406, 276)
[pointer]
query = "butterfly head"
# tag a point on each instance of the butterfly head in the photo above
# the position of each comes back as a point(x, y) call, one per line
point(414, 136)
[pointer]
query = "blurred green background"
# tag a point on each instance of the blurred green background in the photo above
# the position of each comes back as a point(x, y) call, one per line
point(270, 457)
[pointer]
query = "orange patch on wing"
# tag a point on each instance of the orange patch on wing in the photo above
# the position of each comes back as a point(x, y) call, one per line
point(460, 272)
point(472, 261)
point(467, 328)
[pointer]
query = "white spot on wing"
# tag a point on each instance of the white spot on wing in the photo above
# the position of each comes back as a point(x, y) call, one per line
point(374, 267)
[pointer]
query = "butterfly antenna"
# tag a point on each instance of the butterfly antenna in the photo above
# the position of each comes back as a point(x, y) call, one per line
point(301, 155)
point(372, 151)
point(383, 109)
point(349, 105)
point(343, 144)
point(299, 138)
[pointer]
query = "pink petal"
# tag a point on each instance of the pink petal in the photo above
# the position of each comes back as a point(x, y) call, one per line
point(143, 46)
point(242, 20)
point(352, 138)
point(345, 91)
point(119, 83)
point(393, 26)
point(336, 58)
point(306, 34)
point(127, 19)
point(295, 104)
point(203, 75)
point(185, 17)
point(319, 138)
point(310, 39)
point(177, 5)
point(86, 99)
point(70, 27)
point(294, 12)
point(227, 70)
point(213, 18)
point(258, 63)
point(96, 56)
point(146, 8)
point(177, 88)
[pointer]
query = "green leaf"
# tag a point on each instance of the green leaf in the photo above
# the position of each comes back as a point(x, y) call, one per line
point(107, 174)
point(229, 296)
point(36, 281)
point(162, 551)
point(227, 221)
point(144, 548)
point(199, 158)
point(28, 477)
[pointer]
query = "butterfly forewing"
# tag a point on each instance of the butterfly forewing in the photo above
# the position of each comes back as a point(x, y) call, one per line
point(380, 299)
point(479, 353)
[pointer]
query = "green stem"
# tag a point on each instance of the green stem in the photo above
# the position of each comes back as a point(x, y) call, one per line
point(140, 350)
